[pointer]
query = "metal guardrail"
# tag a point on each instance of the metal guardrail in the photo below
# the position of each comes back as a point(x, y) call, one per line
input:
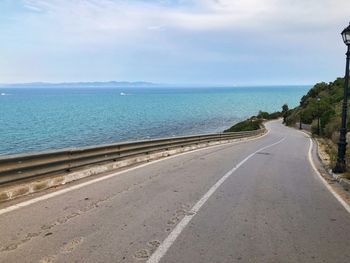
point(23, 166)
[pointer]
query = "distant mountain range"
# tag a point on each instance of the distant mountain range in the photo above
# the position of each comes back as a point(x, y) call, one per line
point(116, 84)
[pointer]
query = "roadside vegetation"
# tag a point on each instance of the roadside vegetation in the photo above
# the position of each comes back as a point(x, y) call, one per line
point(246, 125)
point(255, 122)
point(323, 101)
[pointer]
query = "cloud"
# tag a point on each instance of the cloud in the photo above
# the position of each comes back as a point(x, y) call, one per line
point(156, 27)
point(116, 16)
point(174, 34)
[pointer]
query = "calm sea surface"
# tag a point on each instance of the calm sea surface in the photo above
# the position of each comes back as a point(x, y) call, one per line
point(36, 119)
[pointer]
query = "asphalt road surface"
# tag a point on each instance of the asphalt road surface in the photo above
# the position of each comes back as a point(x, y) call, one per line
point(252, 201)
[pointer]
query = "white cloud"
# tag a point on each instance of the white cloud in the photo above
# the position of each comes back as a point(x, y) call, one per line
point(128, 17)
point(174, 34)
point(156, 27)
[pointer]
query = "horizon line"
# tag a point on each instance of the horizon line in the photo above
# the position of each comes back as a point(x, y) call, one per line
point(145, 84)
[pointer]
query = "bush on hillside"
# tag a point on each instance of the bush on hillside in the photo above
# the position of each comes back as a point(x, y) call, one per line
point(269, 116)
point(247, 125)
point(328, 108)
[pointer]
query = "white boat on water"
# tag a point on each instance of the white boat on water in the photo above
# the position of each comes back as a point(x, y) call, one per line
point(122, 94)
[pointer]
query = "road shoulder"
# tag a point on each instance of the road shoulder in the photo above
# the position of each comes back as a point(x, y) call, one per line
point(336, 182)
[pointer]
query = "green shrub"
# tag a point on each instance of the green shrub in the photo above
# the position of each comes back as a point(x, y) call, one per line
point(275, 115)
point(247, 125)
point(269, 116)
point(322, 101)
point(263, 115)
point(332, 127)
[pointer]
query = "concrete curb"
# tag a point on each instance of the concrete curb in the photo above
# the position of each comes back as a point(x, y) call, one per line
point(11, 192)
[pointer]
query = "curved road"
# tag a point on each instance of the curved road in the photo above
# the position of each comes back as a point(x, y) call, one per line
point(251, 201)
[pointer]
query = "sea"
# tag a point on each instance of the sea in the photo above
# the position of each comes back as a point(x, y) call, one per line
point(36, 119)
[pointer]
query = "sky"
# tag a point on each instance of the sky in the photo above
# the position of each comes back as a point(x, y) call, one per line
point(194, 42)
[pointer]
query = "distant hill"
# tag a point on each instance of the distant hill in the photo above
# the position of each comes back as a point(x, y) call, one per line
point(111, 84)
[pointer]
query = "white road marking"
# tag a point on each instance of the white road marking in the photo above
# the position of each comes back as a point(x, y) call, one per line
point(326, 184)
point(75, 187)
point(167, 243)
point(335, 194)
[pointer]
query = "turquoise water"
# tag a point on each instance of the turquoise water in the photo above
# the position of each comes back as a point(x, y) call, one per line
point(37, 119)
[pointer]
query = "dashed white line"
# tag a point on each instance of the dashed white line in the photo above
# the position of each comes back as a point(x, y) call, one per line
point(167, 243)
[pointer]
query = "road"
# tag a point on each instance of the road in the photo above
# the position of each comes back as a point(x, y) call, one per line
point(251, 201)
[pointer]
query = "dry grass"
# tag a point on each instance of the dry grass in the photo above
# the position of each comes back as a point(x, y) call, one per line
point(328, 154)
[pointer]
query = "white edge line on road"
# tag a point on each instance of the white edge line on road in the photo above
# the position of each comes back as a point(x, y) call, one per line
point(163, 248)
point(326, 184)
point(335, 194)
point(75, 187)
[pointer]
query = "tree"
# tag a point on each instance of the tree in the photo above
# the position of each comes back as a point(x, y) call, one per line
point(285, 112)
